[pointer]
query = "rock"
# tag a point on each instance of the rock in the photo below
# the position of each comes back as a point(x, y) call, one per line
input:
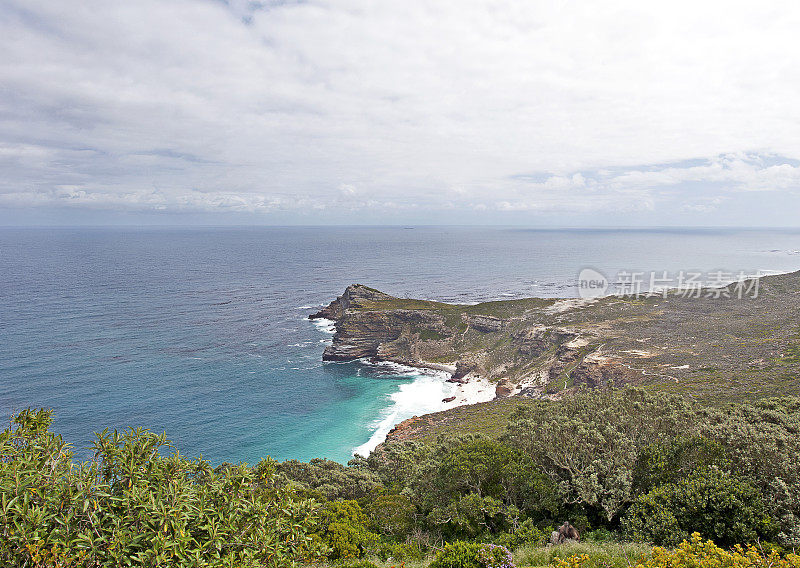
point(355, 295)
point(462, 370)
point(379, 333)
point(449, 399)
point(485, 324)
point(504, 389)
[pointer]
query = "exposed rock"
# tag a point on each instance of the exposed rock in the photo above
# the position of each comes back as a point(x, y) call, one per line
point(537, 340)
point(355, 295)
point(485, 324)
point(408, 428)
point(385, 335)
point(598, 371)
point(462, 370)
point(504, 388)
point(448, 399)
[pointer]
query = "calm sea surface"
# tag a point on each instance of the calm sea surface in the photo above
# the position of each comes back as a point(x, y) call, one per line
point(203, 332)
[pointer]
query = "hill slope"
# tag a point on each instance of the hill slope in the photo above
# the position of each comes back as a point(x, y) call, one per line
point(716, 346)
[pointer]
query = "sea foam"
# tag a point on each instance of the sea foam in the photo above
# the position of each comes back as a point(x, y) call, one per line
point(423, 395)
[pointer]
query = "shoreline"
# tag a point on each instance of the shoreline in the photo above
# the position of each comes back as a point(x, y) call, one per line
point(430, 385)
point(425, 394)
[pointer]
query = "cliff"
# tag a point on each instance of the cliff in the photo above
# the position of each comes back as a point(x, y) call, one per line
point(709, 346)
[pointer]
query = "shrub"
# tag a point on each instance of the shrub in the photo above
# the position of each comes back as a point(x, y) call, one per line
point(698, 554)
point(461, 554)
point(527, 533)
point(589, 443)
point(495, 556)
point(671, 461)
point(719, 506)
point(391, 515)
point(358, 564)
point(458, 554)
point(399, 551)
point(345, 530)
point(599, 535)
point(131, 505)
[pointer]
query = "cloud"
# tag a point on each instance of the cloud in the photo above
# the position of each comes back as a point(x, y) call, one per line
point(206, 105)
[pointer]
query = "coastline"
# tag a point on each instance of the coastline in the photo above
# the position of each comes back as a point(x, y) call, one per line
point(430, 391)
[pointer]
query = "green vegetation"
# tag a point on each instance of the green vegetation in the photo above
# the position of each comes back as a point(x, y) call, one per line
point(133, 506)
point(595, 554)
point(621, 465)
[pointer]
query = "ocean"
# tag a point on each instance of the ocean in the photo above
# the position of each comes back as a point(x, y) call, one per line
point(203, 332)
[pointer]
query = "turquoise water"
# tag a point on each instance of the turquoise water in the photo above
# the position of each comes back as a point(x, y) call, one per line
point(203, 332)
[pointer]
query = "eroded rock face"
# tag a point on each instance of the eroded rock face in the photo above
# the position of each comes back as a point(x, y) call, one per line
point(537, 340)
point(598, 371)
point(485, 324)
point(504, 388)
point(386, 335)
point(463, 369)
point(355, 295)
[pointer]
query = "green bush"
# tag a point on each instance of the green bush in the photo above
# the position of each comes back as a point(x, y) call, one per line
point(358, 564)
point(482, 488)
point(345, 530)
point(399, 551)
point(589, 443)
point(131, 505)
point(391, 515)
point(671, 461)
point(711, 502)
point(527, 533)
point(461, 554)
point(599, 535)
point(458, 554)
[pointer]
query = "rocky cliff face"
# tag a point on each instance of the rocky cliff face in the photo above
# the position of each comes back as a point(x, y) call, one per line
point(714, 346)
point(367, 326)
point(465, 340)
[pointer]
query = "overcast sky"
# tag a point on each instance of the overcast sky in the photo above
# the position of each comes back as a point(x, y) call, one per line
point(398, 111)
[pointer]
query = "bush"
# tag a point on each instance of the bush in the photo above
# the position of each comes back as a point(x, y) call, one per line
point(391, 515)
point(599, 535)
point(458, 554)
point(717, 505)
point(698, 554)
point(399, 552)
point(345, 530)
point(359, 564)
point(132, 506)
point(495, 556)
point(527, 533)
point(482, 487)
point(461, 554)
point(589, 443)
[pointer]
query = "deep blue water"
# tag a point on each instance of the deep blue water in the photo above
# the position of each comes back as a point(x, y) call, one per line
point(202, 332)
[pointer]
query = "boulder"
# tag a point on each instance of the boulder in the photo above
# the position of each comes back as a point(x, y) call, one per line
point(504, 389)
point(462, 370)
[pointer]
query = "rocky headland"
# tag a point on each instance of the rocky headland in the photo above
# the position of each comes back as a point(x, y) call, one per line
point(713, 345)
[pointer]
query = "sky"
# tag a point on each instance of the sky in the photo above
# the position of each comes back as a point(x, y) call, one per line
point(399, 112)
